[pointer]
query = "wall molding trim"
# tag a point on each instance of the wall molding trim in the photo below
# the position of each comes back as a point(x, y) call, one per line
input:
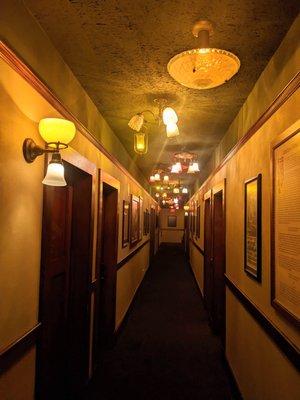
point(284, 344)
point(13, 352)
point(18, 65)
point(131, 255)
point(197, 246)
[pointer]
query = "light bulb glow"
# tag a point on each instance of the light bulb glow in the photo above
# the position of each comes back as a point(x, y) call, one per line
point(174, 169)
point(186, 207)
point(184, 190)
point(55, 130)
point(172, 130)
point(179, 166)
point(176, 190)
point(196, 166)
point(157, 177)
point(140, 143)
point(55, 175)
point(156, 194)
point(166, 178)
point(152, 178)
point(191, 169)
point(169, 116)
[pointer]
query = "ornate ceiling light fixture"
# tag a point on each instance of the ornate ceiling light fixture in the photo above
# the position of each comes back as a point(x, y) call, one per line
point(205, 67)
point(138, 123)
point(185, 162)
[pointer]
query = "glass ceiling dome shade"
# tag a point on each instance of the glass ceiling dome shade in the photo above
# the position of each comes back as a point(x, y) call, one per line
point(204, 67)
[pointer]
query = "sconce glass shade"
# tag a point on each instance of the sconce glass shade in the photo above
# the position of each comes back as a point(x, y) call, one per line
point(136, 122)
point(152, 178)
point(184, 190)
point(174, 169)
point(157, 177)
point(169, 116)
point(176, 190)
point(55, 175)
point(164, 202)
point(55, 130)
point(172, 130)
point(179, 166)
point(175, 200)
point(156, 194)
point(166, 178)
point(140, 143)
point(191, 169)
point(196, 166)
point(186, 214)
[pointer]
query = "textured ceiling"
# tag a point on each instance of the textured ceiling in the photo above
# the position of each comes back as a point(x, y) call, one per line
point(119, 50)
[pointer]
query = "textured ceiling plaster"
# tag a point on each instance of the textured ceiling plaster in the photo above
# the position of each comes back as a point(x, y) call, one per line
point(119, 51)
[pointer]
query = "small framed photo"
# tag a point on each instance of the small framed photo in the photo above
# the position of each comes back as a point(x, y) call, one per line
point(252, 228)
point(141, 217)
point(134, 220)
point(125, 224)
point(198, 222)
point(172, 221)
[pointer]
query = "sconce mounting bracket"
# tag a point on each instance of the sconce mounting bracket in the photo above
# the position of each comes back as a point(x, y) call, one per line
point(31, 150)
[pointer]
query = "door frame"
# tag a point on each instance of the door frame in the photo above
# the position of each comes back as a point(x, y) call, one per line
point(220, 187)
point(102, 177)
point(207, 263)
point(77, 160)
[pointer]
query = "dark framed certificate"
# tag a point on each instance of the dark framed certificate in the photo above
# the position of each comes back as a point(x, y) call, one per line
point(252, 227)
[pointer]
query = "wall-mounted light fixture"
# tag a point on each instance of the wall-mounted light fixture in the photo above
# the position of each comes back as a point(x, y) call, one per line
point(186, 208)
point(57, 133)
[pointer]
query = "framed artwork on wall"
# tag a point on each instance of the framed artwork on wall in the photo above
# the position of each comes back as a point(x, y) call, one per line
point(285, 228)
point(146, 222)
point(172, 221)
point(134, 224)
point(141, 215)
point(198, 222)
point(125, 224)
point(252, 227)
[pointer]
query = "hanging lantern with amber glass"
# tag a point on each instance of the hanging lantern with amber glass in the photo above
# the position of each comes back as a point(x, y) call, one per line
point(140, 142)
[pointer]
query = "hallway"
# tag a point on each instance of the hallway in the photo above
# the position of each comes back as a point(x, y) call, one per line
point(166, 349)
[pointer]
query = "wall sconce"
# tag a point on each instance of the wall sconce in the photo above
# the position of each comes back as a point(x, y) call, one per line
point(166, 178)
point(140, 142)
point(152, 178)
point(184, 190)
point(157, 176)
point(176, 190)
point(57, 133)
point(186, 207)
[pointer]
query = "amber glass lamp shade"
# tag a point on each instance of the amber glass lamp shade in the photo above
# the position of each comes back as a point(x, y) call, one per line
point(57, 130)
point(140, 143)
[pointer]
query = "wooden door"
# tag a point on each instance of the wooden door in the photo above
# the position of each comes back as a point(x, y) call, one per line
point(62, 356)
point(108, 264)
point(218, 258)
point(208, 275)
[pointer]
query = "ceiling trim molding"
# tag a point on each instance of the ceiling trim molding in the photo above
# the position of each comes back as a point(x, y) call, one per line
point(18, 65)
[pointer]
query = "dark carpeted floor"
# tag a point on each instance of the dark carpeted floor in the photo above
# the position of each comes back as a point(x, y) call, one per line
point(166, 349)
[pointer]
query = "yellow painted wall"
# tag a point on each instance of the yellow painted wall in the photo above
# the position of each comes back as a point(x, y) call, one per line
point(21, 108)
point(261, 370)
point(171, 235)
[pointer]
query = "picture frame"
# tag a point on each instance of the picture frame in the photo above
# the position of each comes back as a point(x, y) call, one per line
point(134, 220)
point(172, 221)
point(285, 227)
point(141, 218)
point(252, 227)
point(146, 222)
point(198, 222)
point(125, 223)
